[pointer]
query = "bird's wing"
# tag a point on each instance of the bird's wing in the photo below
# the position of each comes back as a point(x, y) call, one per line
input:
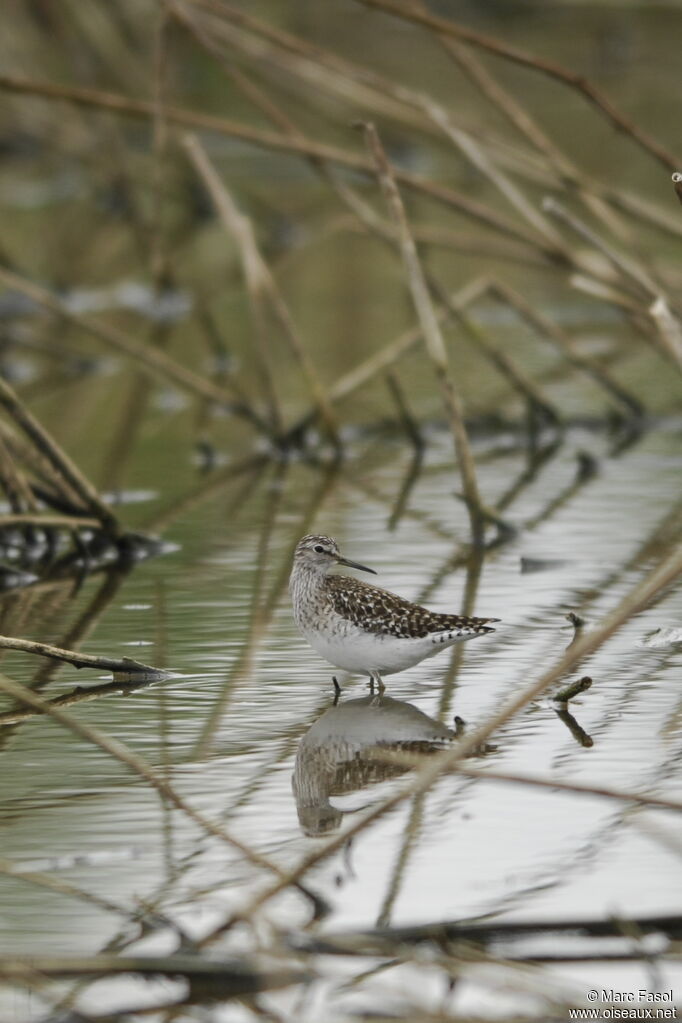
point(384, 613)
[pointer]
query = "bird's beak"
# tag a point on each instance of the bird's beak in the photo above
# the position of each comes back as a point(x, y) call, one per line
point(354, 564)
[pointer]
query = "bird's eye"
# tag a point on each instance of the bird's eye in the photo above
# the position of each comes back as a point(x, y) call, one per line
point(318, 548)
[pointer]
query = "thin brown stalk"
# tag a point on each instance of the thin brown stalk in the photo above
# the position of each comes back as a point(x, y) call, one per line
point(341, 75)
point(159, 144)
point(323, 69)
point(518, 378)
point(564, 170)
point(453, 30)
point(669, 328)
point(80, 694)
point(581, 685)
point(241, 230)
point(502, 362)
point(407, 419)
point(261, 281)
point(435, 346)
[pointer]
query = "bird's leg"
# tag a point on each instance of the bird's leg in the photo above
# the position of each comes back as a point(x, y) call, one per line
point(337, 690)
point(376, 677)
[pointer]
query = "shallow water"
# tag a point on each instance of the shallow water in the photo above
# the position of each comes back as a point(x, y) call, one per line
point(226, 729)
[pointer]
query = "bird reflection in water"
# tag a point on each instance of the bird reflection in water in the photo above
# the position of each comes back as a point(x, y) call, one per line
point(339, 753)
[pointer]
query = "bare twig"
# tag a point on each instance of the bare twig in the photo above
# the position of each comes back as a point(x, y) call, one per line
point(124, 665)
point(453, 30)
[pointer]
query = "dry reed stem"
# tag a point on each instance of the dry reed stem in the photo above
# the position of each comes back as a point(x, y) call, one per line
point(361, 209)
point(502, 362)
point(151, 359)
point(645, 288)
point(124, 665)
point(380, 361)
point(116, 103)
point(364, 212)
point(453, 30)
point(58, 459)
point(424, 104)
point(387, 98)
point(581, 685)
point(435, 346)
point(262, 283)
point(241, 230)
point(629, 272)
point(158, 257)
point(139, 766)
point(657, 580)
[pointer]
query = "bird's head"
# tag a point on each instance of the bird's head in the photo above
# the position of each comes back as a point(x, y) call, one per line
point(321, 553)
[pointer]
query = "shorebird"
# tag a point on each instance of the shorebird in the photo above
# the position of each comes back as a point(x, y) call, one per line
point(361, 628)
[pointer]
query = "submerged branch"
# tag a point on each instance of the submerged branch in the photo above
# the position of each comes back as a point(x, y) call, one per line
point(227, 978)
point(574, 689)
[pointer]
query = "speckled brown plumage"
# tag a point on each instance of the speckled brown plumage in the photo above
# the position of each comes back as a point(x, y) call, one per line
point(365, 629)
point(383, 613)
